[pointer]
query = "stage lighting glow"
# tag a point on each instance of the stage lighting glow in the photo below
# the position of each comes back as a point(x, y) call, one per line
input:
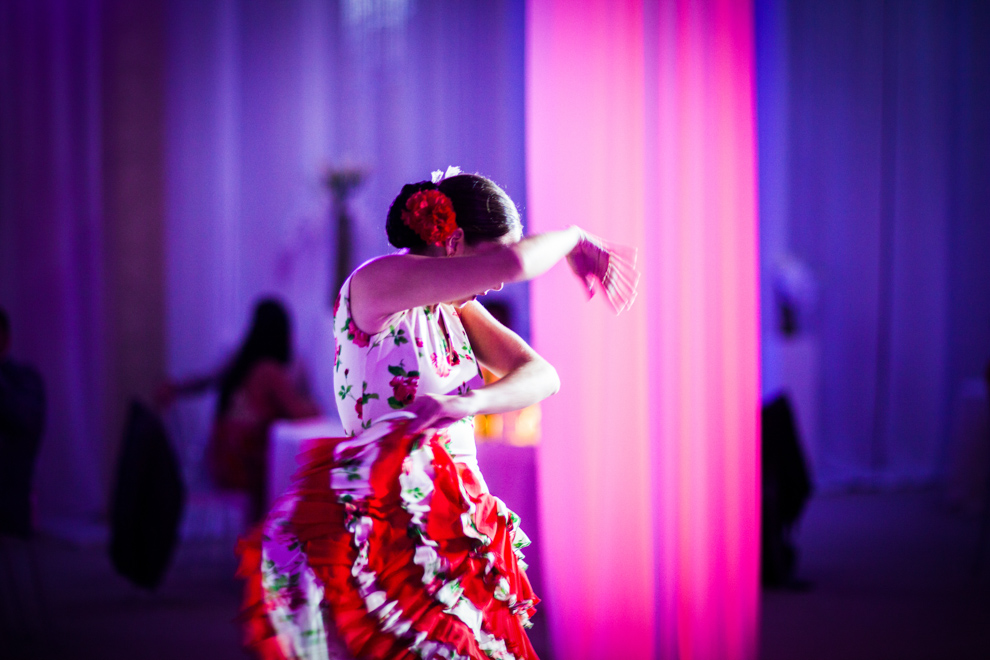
point(640, 127)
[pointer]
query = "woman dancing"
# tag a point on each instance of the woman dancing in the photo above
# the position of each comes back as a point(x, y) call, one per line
point(389, 544)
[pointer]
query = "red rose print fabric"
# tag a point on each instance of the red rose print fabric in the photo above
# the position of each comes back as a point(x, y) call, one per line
point(421, 350)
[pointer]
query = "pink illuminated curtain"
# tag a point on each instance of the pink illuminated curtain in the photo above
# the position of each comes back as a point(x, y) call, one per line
point(640, 127)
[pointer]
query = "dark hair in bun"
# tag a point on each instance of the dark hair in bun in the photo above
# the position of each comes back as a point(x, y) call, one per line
point(484, 211)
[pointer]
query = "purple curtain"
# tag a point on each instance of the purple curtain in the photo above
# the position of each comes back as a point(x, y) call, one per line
point(873, 148)
point(52, 237)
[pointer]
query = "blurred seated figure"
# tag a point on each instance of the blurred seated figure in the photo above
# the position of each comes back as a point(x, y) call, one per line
point(22, 417)
point(255, 389)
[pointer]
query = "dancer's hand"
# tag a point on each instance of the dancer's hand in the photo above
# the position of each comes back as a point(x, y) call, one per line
point(612, 266)
point(437, 411)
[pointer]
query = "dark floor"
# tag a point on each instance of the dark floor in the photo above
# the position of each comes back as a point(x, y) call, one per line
point(892, 579)
point(92, 613)
point(88, 612)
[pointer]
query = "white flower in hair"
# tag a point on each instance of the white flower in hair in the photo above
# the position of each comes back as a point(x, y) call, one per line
point(440, 175)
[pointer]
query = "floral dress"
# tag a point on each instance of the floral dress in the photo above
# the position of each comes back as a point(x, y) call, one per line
point(389, 544)
point(421, 350)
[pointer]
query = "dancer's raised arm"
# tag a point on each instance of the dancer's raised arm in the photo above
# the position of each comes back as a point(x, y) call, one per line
point(398, 282)
point(462, 236)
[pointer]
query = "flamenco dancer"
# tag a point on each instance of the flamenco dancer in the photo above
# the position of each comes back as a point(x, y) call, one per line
point(389, 544)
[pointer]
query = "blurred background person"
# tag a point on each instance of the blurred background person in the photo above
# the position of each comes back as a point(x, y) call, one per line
point(22, 420)
point(255, 389)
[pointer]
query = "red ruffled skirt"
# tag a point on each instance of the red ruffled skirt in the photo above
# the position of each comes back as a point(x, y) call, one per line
point(388, 548)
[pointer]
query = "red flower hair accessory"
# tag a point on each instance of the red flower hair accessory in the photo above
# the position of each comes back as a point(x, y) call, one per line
point(430, 214)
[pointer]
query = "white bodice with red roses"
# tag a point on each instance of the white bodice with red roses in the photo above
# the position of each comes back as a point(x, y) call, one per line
point(422, 350)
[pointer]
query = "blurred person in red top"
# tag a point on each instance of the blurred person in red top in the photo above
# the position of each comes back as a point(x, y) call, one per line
point(255, 389)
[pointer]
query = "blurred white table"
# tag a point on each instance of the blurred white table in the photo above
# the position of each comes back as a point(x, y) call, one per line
point(285, 439)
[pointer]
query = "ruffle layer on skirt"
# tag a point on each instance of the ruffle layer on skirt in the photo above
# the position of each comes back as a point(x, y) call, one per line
point(388, 547)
